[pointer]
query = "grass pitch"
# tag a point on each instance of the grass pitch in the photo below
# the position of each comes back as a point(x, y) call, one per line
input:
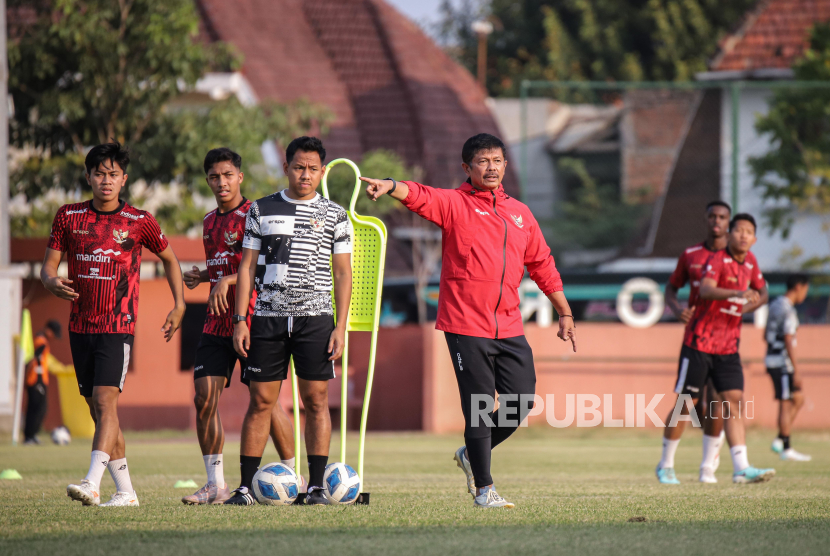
point(575, 492)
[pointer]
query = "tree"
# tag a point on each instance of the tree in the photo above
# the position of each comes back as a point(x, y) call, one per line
point(377, 163)
point(794, 175)
point(84, 72)
point(602, 40)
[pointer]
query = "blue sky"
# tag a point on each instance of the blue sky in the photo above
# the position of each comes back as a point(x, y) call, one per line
point(418, 10)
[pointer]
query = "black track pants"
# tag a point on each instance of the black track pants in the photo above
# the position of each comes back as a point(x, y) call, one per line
point(484, 366)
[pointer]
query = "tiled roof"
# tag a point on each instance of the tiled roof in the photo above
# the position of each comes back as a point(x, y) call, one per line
point(773, 35)
point(387, 83)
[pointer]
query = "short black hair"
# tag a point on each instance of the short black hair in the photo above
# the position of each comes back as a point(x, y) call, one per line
point(481, 142)
point(115, 152)
point(743, 216)
point(719, 204)
point(55, 327)
point(306, 144)
point(222, 154)
point(794, 280)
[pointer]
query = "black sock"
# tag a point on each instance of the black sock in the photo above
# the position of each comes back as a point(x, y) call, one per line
point(786, 441)
point(316, 470)
point(478, 452)
point(249, 465)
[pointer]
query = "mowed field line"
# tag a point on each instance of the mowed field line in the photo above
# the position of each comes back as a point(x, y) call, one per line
point(575, 491)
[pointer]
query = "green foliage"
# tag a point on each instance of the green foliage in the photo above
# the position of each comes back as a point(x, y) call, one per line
point(795, 173)
point(601, 40)
point(83, 72)
point(374, 164)
point(597, 217)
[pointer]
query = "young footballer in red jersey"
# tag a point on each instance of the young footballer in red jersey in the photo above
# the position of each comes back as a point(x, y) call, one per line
point(690, 268)
point(731, 286)
point(102, 240)
point(223, 232)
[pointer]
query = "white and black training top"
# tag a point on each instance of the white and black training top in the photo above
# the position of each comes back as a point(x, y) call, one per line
point(295, 240)
point(782, 320)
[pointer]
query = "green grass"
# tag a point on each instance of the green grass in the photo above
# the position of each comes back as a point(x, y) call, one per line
point(575, 491)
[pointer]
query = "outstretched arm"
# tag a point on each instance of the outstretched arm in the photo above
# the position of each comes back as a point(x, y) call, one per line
point(173, 272)
point(376, 188)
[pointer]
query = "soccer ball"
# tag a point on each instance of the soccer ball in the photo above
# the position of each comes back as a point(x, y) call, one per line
point(276, 484)
point(60, 436)
point(342, 483)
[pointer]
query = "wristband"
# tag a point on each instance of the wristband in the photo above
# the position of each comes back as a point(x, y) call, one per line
point(563, 316)
point(394, 185)
point(238, 318)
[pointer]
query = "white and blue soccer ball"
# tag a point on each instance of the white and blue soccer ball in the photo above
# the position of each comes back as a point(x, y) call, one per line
point(61, 436)
point(276, 484)
point(342, 483)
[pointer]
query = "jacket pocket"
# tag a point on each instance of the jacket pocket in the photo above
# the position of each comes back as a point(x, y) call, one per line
point(459, 263)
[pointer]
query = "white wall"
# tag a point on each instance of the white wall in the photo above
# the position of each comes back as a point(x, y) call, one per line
point(10, 307)
point(806, 233)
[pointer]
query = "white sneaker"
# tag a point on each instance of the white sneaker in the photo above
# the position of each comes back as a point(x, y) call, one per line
point(707, 475)
point(122, 499)
point(463, 463)
point(791, 455)
point(491, 499)
point(777, 446)
point(86, 493)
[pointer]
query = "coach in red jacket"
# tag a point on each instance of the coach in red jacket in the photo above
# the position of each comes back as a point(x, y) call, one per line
point(488, 238)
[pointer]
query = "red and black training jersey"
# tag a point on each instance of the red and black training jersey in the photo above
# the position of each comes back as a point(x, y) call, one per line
point(103, 250)
point(715, 327)
point(223, 235)
point(690, 268)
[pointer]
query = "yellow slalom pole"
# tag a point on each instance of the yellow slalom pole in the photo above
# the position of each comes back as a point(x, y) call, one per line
point(295, 397)
point(344, 399)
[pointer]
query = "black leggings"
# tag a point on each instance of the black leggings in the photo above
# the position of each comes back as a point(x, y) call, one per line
point(484, 366)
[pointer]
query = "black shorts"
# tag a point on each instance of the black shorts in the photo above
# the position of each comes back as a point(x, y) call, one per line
point(100, 360)
point(275, 340)
point(215, 356)
point(696, 367)
point(782, 381)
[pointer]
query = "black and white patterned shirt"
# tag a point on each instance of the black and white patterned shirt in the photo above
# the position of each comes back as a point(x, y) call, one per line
point(781, 321)
point(295, 240)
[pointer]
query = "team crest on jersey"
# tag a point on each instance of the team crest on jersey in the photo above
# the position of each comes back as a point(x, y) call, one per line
point(316, 223)
point(120, 236)
point(517, 220)
point(231, 237)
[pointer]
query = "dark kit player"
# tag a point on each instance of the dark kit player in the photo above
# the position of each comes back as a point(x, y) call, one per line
point(295, 242)
point(102, 240)
point(732, 286)
point(690, 269)
point(488, 238)
point(782, 364)
point(223, 230)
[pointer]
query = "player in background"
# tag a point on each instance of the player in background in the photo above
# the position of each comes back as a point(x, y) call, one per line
point(37, 380)
point(296, 242)
point(222, 233)
point(690, 268)
point(102, 239)
point(781, 362)
point(732, 286)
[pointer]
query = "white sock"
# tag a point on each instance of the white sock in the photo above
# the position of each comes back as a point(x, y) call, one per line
point(289, 462)
point(120, 475)
point(711, 448)
point(669, 448)
point(97, 466)
point(215, 469)
point(740, 460)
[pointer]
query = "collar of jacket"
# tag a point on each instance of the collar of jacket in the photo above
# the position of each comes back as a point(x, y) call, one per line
point(467, 187)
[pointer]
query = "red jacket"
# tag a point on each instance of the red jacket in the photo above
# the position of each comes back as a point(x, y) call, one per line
point(488, 238)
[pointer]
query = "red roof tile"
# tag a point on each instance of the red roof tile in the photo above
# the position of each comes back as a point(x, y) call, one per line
point(387, 83)
point(773, 35)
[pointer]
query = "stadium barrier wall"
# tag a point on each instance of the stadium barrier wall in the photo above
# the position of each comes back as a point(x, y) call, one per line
point(415, 386)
